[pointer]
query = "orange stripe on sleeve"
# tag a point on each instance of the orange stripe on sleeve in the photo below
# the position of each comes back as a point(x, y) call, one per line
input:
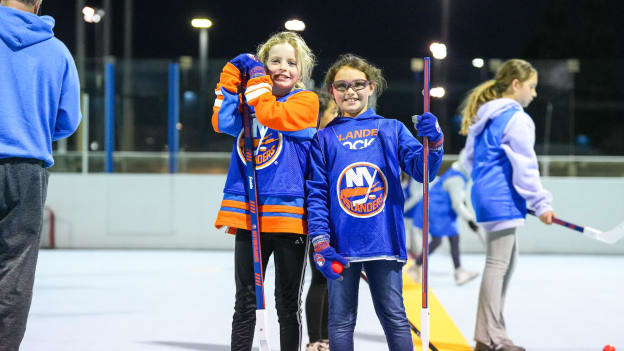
point(230, 78)
point(215, 109)
point(299, 112)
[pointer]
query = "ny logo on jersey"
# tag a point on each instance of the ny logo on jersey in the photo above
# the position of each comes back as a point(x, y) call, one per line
point(267, 145)
point(362, 189)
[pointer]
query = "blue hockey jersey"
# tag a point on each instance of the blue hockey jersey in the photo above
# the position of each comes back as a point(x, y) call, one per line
point(354, 190)
point(281, 136)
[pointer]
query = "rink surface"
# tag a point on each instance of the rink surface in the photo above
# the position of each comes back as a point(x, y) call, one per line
point(126, 300)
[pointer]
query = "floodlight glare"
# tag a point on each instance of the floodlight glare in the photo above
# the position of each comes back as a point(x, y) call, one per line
point(92, 15)
point(294, 25)
point(478, 62)
point(438, 50)
point(201, 23)
point(88, 13)
point(437, 92)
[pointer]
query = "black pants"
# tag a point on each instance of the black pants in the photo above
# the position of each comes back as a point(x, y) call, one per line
point(317, 304)
point(289, 257)
point(435, 242)
point(23, 188)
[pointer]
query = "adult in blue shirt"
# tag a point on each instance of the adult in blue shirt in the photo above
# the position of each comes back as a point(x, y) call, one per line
point(40, 103)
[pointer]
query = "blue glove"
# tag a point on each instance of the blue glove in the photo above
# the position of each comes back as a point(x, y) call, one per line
point(248, 64)
point(324, 255)
point(427, 126)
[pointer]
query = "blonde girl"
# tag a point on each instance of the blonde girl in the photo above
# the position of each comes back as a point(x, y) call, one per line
point(285, 120)
point(503, 166)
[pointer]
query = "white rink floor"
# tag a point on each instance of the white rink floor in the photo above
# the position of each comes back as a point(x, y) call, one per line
point(183, 300)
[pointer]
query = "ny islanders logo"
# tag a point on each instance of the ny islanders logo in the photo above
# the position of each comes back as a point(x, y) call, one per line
point(267, 145)
point(362, 189)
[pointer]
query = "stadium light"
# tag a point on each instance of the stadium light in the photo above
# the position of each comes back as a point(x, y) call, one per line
point(437, 92)
point(438, 50)
point(201, 23)
point(294, 25)
point(478, 62)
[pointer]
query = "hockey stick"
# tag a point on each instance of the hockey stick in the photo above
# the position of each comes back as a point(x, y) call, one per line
point(424, 311)
point(610, 237)
point(477, 231)
point(412, 326)
point(252, 192)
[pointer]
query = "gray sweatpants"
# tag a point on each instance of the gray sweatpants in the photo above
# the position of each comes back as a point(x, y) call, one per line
point(23, 188)
point(502, 254)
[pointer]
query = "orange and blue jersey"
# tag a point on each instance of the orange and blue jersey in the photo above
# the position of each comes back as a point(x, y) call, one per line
point(282, 131)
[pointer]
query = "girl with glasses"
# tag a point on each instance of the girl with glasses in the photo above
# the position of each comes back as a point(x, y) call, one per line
point(355, 200)
point(285, 121)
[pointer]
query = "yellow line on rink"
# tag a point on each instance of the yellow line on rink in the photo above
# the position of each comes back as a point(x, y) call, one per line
point(444, 334)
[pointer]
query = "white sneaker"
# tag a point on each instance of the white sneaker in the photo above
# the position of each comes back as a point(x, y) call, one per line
point(414, 273)
point(463, 276)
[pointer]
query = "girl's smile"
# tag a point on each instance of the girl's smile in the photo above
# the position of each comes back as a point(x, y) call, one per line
point(351, 102)
point(283, 68)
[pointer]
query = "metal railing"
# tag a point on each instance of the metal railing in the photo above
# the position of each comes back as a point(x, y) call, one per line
point(218, 162)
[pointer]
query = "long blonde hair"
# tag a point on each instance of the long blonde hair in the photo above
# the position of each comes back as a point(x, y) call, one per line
point(305, 56)
point(493, 89)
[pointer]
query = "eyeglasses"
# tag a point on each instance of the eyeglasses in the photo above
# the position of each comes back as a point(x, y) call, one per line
point(343, 85)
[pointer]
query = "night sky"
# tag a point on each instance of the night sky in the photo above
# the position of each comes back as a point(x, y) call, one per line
point(391, 32)
point(374, 29)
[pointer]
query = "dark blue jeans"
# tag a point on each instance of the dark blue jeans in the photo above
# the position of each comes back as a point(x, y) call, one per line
point(386, 287)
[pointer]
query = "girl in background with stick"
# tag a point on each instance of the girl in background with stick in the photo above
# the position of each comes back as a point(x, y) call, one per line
point(355, 200)
point(286, 117)
point(505, 174)
point(447, 196)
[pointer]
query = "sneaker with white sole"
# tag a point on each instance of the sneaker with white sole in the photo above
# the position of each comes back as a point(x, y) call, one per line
point(463, 276)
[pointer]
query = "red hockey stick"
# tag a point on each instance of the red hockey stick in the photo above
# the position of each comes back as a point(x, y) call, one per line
point(610, 237)
point(424, 311)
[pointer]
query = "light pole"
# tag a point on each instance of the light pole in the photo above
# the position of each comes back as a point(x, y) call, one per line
point(202, 24)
